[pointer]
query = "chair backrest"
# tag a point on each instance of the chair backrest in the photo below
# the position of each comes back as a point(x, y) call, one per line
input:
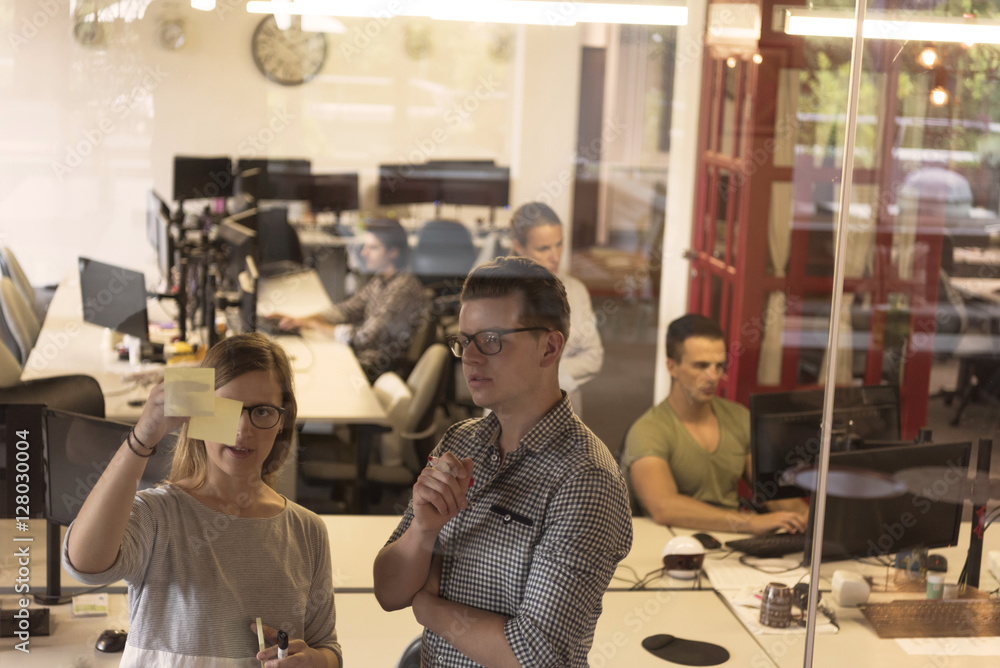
point(444, 250)
point(76, 393)
point(395, 396)
point(19, 318)
point(11, 268)
point(410, 657)
point(10, 368)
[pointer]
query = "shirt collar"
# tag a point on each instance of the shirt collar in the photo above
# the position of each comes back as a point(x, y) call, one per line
point(539, 436)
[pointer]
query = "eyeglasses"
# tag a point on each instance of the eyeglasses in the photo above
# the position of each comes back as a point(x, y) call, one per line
point(264, 416)
point(488, 341)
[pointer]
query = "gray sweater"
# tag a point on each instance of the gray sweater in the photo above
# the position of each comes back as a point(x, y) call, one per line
point(197, 578)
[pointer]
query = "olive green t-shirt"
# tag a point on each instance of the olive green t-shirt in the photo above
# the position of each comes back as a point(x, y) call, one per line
point(708, 477)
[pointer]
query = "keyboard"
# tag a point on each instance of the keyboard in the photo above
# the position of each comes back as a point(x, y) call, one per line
point(771, 545)
point(935, 619)
point(780, 544)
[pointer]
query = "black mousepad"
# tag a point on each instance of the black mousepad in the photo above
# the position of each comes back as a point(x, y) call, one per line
point(685, 652)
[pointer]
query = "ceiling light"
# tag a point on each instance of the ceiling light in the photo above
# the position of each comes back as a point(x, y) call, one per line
point(927, 57)
point(939, 96)
point(537, 12)
point(203, 5)
point(887, 25)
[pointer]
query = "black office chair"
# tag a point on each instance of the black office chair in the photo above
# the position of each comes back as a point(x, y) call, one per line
point(444, 255)
point(75, 393)
point(411, 655)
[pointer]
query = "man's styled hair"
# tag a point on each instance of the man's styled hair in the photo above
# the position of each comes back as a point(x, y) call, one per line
point(391, 235)
point(543, 297)
point(231, 358)
point(528, 217)
point(686, 326)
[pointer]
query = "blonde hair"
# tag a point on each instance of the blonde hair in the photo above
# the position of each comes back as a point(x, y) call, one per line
point(232, 358)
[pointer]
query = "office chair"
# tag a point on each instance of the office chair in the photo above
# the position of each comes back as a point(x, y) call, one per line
point(410, 409)
point(11, 268)
point(410, 658)
point(76, 393)
point(444, 255)
point(20, 323)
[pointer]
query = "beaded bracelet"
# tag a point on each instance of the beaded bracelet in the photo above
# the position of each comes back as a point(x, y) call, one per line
point(152, 451)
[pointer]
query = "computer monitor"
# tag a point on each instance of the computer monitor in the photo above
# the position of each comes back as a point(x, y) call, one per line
point(785, 430)
point(334, 192)
point(155, 206)
point(277, 241)
point(857, 528)
point(473, 183)
point(202, 178)
point(64, 454)
point(253, 175)
point(77, 450)
point(114, 297)
point(407, 184)
point(159, 235)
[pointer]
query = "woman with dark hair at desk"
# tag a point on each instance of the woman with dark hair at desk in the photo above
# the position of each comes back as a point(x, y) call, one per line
point(385, 313)
point(537, 234)
point(215, 547)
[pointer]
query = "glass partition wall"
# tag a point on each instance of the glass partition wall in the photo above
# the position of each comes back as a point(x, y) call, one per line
point(697, 167)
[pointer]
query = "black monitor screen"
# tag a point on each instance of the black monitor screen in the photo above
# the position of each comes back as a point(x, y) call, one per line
point(474, 185)
point(202, 178)
point(254, 175)
point(114, 297)
point(277, 241)
point(155, 207)
point(334, 192)
point(77, 450)
point(871, 527)
point(407, 184)
point(785, 430)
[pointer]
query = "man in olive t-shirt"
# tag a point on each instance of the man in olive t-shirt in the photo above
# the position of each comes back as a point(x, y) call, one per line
point(685, 456)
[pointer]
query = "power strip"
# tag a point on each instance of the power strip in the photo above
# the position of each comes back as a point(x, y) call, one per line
point(993, 561)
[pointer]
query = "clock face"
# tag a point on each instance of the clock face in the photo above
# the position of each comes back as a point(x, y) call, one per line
point(288, 57)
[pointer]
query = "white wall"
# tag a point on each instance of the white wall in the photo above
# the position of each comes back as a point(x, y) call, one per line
point(85, 132)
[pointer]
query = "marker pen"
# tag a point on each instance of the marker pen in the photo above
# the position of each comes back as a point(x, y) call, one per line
point(282, 644)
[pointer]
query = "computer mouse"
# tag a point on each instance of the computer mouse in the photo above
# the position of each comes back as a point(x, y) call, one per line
point(937, 563)
point(707, 541)
point(111, 640)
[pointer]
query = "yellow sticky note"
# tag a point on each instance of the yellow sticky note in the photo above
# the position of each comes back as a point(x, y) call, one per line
point(188, 392)
point(260, 637)
point(220, 427)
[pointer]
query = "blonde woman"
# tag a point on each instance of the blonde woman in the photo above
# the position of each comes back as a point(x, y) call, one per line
point(215, 546)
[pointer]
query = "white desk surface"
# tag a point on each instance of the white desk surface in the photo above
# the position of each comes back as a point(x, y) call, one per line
point(372, 637)
point(629, 617)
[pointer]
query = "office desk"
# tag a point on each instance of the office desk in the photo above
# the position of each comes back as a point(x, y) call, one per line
point(329, 383)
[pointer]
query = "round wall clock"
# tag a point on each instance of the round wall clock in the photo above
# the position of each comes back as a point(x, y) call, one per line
point(288, 57)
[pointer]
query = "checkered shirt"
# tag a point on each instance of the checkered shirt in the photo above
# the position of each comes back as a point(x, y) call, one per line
point(539, 541)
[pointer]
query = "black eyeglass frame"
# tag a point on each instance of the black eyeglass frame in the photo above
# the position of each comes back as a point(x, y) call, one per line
point(457, 339)
point(250, 409)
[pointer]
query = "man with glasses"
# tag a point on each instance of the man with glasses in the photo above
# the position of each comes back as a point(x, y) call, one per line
point(519, 520)
point(685, 456)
